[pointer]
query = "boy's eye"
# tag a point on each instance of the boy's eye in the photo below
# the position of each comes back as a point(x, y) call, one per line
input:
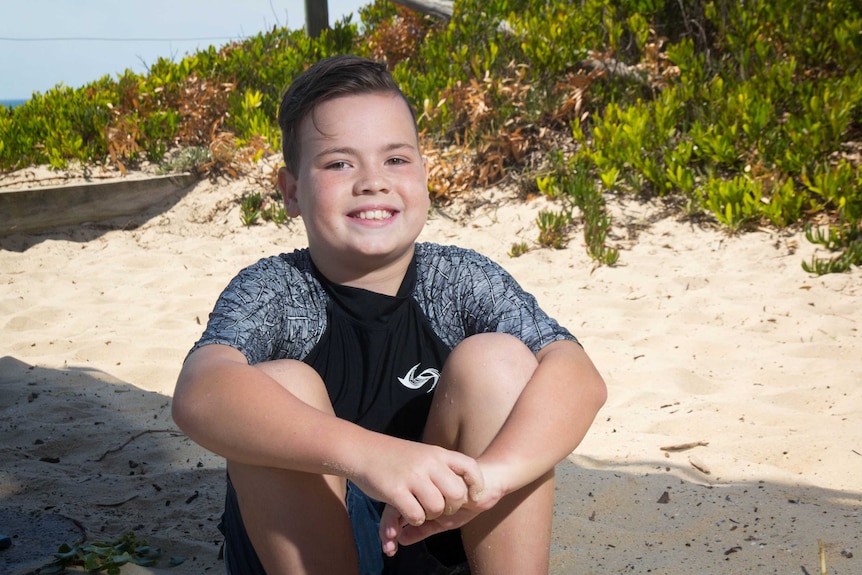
point(396, 161)
point(339, 165)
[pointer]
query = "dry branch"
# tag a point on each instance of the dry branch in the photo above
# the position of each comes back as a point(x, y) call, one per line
point(442, 9)
point(684, 446)
point(131, 439)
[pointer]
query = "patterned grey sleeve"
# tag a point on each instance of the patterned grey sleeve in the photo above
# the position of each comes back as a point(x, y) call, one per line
point(273, 309)
point(465, 293)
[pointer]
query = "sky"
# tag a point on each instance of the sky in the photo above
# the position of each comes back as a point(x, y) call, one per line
point(74, 42)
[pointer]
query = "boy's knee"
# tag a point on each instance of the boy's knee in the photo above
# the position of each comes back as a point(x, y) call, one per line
point(499, 354)
point(489, 365)
point(300, 379)
point(483, 378)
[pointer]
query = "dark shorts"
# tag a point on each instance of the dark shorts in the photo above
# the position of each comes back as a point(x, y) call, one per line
point(441, 554)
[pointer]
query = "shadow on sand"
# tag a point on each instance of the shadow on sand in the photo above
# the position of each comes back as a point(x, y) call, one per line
point(88, 457)
point(85, 455)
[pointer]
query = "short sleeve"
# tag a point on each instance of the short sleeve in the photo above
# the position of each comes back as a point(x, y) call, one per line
point(466, 293)
point(274, 309)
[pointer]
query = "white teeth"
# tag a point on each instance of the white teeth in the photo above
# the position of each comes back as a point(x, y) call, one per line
point(374, 215)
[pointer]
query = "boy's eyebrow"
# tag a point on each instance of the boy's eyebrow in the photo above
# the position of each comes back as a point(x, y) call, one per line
point(349, 151)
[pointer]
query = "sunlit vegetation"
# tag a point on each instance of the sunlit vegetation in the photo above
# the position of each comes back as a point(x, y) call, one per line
point(741, 114)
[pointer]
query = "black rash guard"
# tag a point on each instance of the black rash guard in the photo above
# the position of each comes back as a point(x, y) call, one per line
point(379, 357)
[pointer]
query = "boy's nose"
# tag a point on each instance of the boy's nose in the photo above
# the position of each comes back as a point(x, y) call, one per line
point(371, 181)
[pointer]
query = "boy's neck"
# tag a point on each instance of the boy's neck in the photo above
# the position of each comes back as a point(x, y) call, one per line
point(384, 279)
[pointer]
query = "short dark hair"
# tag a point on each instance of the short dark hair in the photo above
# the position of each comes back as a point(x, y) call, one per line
point(330, 78)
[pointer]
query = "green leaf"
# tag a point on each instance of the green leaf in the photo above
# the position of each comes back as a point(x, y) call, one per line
point(92, 562)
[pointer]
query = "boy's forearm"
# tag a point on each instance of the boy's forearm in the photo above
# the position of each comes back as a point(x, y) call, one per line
point(242, 414)
point(551, 417)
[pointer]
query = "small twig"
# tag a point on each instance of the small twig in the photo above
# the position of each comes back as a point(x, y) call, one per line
point(118, 503)
point(80, 527)
point(822, 557)
point(442, 9)
point(131, 439)
point(615, 68)
point(699, 465)
point(684, 446)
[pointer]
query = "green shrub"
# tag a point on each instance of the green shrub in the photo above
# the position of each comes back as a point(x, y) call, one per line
point(747, 113)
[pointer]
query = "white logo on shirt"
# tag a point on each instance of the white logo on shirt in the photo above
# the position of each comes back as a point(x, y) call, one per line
point(413, 381)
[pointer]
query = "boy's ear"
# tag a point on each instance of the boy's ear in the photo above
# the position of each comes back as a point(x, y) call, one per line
point(287, 186)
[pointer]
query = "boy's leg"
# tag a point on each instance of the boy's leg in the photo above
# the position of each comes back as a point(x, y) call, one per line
point(482, 380)
point(297, 522)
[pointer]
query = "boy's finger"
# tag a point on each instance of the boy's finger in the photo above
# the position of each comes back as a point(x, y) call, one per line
point(473, 478)
point(390, 530)
point(453, 487)
point(432, 499)
point(411, 511)
point(410, 534)
point(475, 491)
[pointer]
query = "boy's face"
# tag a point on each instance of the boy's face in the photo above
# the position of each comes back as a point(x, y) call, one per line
point(361, 184)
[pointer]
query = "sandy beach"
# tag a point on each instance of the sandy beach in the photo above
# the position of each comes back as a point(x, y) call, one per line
point(731, 441)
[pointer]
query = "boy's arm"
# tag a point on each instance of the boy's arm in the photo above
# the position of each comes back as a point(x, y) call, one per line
point(548, 421)
point(242, 414)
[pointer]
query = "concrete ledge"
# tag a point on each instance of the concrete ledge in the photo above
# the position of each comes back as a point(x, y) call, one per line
point(40, 209)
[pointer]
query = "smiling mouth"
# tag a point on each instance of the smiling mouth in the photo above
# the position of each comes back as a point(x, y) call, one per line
point(374, 215)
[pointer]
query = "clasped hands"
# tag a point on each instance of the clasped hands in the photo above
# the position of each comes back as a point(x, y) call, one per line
point(428, 491)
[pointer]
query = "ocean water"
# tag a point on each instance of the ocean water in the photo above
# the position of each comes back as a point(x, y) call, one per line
point(11, 103)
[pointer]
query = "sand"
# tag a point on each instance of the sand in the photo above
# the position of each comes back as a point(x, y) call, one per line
point(731, 441)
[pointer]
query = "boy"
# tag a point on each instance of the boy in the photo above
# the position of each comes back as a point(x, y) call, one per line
point(371, 392)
